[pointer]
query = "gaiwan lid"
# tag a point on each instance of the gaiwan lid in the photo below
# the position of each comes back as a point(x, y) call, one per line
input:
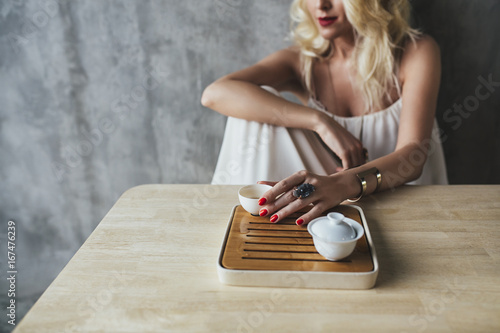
point(333, 228)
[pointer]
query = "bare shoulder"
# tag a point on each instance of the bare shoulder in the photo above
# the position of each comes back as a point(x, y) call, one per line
point(423, 46)
point(422, 53)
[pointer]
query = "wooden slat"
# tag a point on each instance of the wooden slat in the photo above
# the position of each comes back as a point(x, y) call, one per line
point(254, 243)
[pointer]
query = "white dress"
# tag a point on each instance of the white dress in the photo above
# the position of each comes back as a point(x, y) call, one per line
point(253, 151)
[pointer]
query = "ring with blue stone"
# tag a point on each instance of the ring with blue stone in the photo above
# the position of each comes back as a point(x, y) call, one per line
point(303, 191)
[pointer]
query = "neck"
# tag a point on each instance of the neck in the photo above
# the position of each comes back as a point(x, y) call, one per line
point(342, 46)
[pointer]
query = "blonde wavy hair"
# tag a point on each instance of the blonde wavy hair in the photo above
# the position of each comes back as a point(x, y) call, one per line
point(381, 29)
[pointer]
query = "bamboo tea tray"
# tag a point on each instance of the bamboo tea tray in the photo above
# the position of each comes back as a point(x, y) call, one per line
point(256, 252)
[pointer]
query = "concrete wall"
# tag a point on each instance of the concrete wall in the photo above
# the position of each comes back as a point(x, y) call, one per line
point(100, 96)
point(470, 118)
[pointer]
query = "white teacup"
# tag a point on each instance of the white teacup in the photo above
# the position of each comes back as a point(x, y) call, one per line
point(249, 197)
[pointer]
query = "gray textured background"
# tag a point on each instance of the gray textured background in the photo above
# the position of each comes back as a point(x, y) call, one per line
point(99, 96)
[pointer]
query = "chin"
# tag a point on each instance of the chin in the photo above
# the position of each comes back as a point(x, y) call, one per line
point(329, 35)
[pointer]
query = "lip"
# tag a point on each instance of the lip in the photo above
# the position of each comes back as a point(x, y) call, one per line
point(326, 21)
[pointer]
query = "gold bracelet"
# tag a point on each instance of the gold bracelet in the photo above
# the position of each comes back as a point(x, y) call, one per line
point(361, 176)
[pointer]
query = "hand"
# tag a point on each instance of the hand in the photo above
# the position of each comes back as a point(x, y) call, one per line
point(328, 194)
point(349, 149)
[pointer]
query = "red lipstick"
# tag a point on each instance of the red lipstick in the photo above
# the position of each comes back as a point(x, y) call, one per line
point(326, 21)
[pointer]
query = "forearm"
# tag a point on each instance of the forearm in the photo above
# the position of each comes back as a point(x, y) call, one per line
point(248, 101)
point(402, 166)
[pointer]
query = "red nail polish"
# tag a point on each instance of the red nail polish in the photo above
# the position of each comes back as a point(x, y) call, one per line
point(300, 222)
point(263, 212)
point(274, 218)
point(262, 201)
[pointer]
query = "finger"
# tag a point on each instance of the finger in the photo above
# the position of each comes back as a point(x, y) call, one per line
point(360, 155)
point(262, 200)
point(265, 182)
point(346, 162)
point(287, 199)
point(315, 212)
point(284, 186)
point(289, 208)
point(356, 158)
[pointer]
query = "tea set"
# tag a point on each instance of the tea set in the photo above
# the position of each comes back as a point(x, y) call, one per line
point(334, 236)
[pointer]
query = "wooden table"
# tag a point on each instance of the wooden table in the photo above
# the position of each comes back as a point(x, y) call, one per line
point(150, 266)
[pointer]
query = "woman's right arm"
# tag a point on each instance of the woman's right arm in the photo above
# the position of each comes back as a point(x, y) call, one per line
point(239, 94)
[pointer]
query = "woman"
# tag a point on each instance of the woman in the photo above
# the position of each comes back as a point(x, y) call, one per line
point(369, 85)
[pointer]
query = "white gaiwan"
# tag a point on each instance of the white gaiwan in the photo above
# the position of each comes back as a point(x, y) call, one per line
point(335, 236)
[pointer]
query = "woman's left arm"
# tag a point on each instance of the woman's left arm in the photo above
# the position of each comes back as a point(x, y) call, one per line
point(420, 73)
